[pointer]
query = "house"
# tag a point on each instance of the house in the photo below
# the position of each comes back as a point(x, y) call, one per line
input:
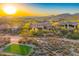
point(6, 28)
point(69, 25)
point(42, 26)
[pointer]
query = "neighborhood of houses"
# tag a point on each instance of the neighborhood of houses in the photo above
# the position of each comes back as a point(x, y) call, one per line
point(50, 26)
point(42, 25)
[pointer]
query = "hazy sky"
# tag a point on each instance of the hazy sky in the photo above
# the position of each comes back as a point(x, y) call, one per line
point(43, 9)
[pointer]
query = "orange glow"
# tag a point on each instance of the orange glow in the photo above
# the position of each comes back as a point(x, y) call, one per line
point(22, 10)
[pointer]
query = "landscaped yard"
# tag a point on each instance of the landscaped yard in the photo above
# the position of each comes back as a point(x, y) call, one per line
point(18, 49)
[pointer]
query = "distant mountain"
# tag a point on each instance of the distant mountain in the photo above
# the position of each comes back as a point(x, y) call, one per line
point(76, 16)
point(65, 16)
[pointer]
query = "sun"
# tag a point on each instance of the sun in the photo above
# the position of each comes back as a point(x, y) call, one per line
point(9, 9)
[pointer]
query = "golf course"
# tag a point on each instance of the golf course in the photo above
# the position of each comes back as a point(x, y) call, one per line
point(18, 49)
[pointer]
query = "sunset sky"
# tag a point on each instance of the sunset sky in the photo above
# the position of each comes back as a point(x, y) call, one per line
point(41, 9)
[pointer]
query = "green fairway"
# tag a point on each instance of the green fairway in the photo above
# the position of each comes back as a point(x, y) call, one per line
point(18, 49)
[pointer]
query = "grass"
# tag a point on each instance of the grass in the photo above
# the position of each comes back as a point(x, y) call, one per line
point(18, 49)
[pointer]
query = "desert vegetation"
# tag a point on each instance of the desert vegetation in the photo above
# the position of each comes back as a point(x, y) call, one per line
point(48, 35)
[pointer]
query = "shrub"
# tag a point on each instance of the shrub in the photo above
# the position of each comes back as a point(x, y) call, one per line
point(36, 33)
point(73, 36)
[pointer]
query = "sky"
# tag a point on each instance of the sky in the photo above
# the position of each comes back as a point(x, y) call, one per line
point(41, 9)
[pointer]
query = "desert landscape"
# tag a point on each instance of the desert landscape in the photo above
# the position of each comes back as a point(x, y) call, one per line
point(49, 35)
point(39, 30)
